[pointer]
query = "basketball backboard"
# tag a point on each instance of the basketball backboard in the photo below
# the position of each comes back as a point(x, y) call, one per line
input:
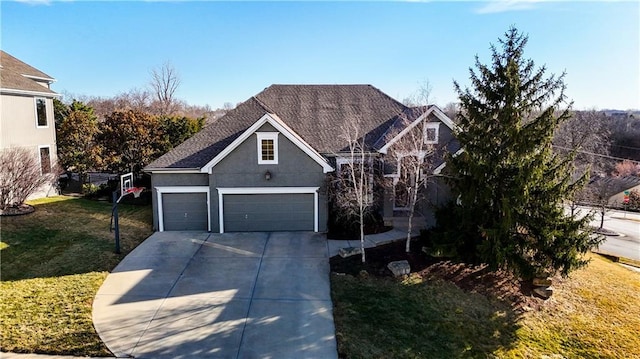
point(126, 183)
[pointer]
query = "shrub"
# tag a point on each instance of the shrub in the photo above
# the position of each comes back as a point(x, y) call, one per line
point(21, 176)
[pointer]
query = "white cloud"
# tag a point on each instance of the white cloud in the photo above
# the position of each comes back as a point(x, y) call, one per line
point(496, 6)
point(35, 2)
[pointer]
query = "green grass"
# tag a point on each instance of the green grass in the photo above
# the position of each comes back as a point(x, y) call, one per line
point(53, 261)
point(594, 314)
point(384, 318)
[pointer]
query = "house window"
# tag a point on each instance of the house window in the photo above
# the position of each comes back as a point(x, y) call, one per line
point(45, 159)
point(267, 148)
point(41, 112)
point(431, 132)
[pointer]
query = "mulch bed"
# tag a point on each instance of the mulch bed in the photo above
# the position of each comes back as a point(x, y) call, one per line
point(17, 210)
point(471, 278)
point(605, 231)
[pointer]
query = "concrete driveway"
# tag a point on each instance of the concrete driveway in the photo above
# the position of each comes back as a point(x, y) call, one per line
point(201, 295)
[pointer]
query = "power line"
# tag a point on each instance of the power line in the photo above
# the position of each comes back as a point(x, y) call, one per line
point(597, 154)
point(629, 147)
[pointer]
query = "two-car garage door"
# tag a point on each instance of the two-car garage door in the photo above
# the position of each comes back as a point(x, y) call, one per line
point(268, 212)
point(239, 209)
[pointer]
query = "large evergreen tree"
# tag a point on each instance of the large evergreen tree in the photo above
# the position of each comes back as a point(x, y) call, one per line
point(509, 185)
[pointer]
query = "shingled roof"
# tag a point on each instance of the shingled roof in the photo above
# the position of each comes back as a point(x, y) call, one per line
point(17, 75)
point(315, 112)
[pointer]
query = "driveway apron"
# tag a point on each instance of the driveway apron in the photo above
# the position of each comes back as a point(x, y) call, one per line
point(235, 295)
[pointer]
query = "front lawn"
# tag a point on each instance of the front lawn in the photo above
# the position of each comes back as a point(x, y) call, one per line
point(448, 310)
point(53, 262)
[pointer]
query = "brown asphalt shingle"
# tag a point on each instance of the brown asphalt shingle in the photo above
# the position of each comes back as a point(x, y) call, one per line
point(12, 75)
point(315, 112)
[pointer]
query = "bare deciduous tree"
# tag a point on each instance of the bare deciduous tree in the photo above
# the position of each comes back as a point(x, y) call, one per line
point(412, 154)
point(597, 194)
point(165, 80)
point(586, 133)
point(421, 97)
point(21, 176)
point(352, 190)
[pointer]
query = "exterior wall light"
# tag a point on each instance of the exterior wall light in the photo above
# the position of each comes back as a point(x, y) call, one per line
point(267, 175)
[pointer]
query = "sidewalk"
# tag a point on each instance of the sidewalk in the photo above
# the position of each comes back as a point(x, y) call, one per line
point(370, 240)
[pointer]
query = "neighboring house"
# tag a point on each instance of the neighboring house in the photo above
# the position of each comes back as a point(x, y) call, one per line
point(264, 165)
point(26, 117)
point(614, 188)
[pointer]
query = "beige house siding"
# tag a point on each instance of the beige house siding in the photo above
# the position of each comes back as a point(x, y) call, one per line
point(19, 128)
point(19, 125)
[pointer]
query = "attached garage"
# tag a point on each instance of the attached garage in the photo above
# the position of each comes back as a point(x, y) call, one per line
point(268, 209)
point(183, 208)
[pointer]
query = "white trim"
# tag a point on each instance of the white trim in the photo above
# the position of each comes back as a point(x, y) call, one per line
point(28, 92)
point(38, 78)
point(46, 113)
point(182, 171)
point(267, 136)
point(439, 169)
point(276, 122)
point(40, 158)
point(181, 189)
point(432, 110)
point(436, 127)
point(268, 190)
point(444, 118)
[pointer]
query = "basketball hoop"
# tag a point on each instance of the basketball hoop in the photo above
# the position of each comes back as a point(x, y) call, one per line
point(137, 191)
point(126, 188)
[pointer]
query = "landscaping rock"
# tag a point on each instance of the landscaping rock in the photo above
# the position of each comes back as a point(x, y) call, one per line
point(543, 292)
point(349, 251)
point(399, 268)
point(542, 282)
point(438, 252)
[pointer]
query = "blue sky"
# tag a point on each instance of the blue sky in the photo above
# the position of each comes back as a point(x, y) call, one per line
point(229, 51)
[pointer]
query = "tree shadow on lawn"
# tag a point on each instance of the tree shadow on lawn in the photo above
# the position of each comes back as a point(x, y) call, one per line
point(442, 310)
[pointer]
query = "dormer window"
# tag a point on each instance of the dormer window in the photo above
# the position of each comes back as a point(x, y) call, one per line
point(431, 132)
point(267, 148)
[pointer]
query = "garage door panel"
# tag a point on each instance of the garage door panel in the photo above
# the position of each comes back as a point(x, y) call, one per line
point(185, 211)
point(268, 212)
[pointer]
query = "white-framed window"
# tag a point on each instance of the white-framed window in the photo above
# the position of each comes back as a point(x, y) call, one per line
point(431, 132)
point(267, 148)
point(41, 112)
point(44, 152)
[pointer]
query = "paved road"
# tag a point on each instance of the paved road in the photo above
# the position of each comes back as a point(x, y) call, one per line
point(238, 295)
point(627, 224)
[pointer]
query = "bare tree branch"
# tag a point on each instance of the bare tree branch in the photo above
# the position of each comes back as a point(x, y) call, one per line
point(352, 187)
point(412, 155)
point(164, 83)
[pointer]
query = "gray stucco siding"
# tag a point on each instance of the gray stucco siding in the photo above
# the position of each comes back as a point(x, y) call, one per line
point(241, 169)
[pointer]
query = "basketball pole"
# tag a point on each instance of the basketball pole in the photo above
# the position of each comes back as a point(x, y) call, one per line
point(114, 213)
